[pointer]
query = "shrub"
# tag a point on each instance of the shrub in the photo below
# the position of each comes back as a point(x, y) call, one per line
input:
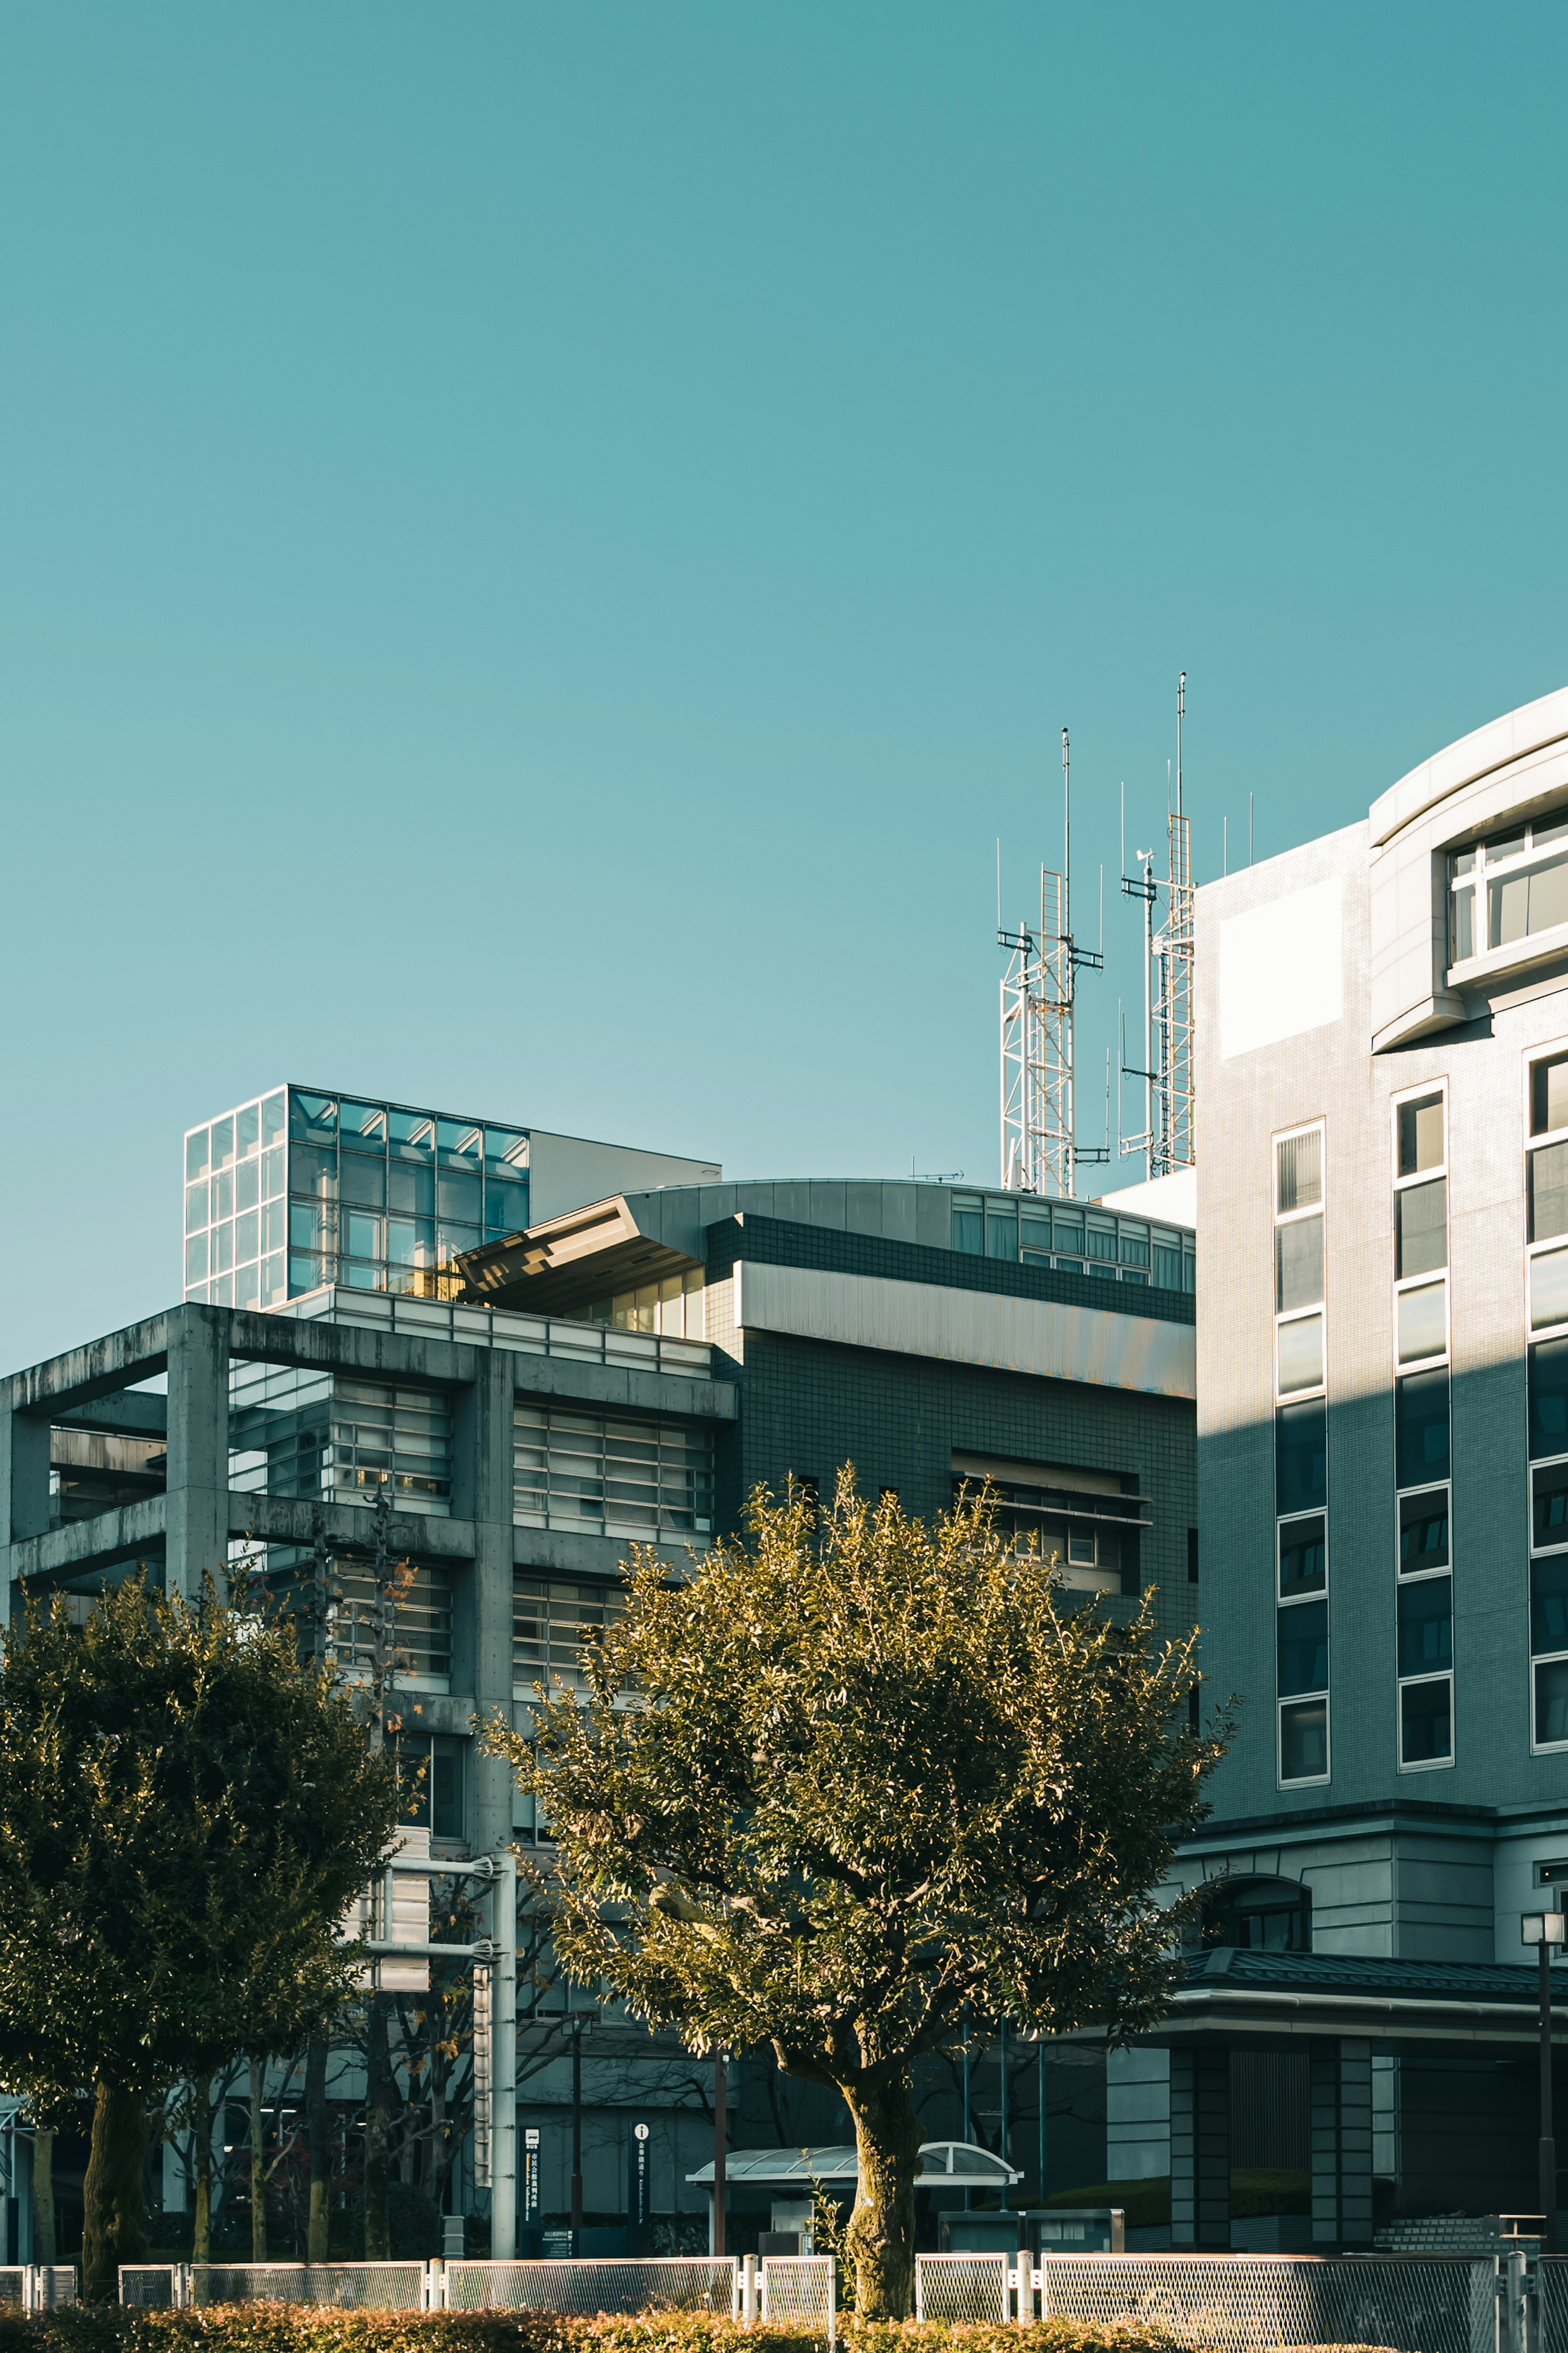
point(303, 2329)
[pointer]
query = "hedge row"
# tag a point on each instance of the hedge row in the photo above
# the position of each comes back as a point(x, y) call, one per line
point(304, 2329)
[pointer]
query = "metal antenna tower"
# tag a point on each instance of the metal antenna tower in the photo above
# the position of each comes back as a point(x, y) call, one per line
point(1170, 1132)
point(1038, 1154)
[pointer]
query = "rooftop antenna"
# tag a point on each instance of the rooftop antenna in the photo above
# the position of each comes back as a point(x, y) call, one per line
point(1038, 1150)
point(1169, 1138)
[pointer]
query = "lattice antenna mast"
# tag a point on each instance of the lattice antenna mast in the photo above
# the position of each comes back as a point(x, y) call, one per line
point(1040, 1153)
point(1143, 886)
point(1179, 1140)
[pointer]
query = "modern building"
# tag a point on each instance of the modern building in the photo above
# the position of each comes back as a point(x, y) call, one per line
point(304, 1186)
point(1383, 1480)
point(630, 1369)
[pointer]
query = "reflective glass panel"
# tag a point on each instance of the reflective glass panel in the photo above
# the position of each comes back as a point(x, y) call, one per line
point(1001, 1230)
point(273, 1163)
point(506, 1152)
point(1426, 1624)
point(1066, 1232)
point(1101, 1240)
point(1549, 1289)
point(196, 1144)
point(1424, 1531)
point(223, 1143)
point(968, 1228)
point(273, 1224)
point(196, 1207)
point(458, 1197)
point(413, 1134)
point(460, 1145)
point(1422, 1214)
point(1300, 1355)
point(1134, 1245)
point(361, 1124)
point(1548, 1390)
point(221, 1292)
point(1464, 940)
point(1426, 1724)
point(360, 1235)
point(1549, 1095)
point(247, 1285)
point(247, 1184)
point(1552, 1703)
point(223, 1194)
point(1301, 1457)
point(1303, 1557)
point(222, 1246)
point(1549, 1603)
point(1421, 1428)
point(1420, 1134)
point(1303, 1634)
point(247, 1235)
point(314, 1118)
point(196, 1258)
point(453, 1240)
point(1548, 1506)
point(274, 1283)
point(1548, 1191)
point(1298, 1264)
point(1304, 1740)
point(412, 1189)
point(1299, 1172)
point(313, 1168)
point(1034, 1230)
point(363, 1180)
point(247, 1131)
point(1424, 1322)
point(274, 1118)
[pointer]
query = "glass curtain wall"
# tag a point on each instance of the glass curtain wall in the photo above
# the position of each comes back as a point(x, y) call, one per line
point(1079, 1240)
point(300, 1189)
point(1424, 1608)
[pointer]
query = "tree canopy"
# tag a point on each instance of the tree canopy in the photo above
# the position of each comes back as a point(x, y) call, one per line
point(852, 1780)
point(186, 1815)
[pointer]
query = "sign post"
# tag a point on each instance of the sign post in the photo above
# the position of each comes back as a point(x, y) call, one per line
point(530, 2177)
point(639, 2189)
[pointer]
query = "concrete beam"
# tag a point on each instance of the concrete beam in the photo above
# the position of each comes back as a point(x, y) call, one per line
point(132, 1533)
point(135, 1353)
point(561, 1552)
point(135, 1413)
point(288, 1520)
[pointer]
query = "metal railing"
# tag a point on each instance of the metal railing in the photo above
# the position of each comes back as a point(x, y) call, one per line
point(396, 2287)
point(1432, 2304)
point(36, 2287)
point(797, 2291)
point(593, 2283)
point(961, 2287)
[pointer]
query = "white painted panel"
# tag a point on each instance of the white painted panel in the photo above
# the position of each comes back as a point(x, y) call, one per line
point(1281, 968)
point(1094, 1345)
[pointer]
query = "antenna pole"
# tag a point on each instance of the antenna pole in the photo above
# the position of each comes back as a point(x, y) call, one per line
point(1181, 714)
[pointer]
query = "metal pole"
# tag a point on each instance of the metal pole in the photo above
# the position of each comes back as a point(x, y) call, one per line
point(576, 2134)
point(720, 2138)
point(1040, 2049)
point(1001, 2056)
point(503, 2064)
point(1548, 2144)
point(967, 2132)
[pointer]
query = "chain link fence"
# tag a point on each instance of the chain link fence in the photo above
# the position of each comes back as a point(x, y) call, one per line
point(150, 2284)
point(593, 2283)
point(1552, 2303)
point(960, 2287)
point(383, 2288)
point(798, 2291)
point(1237, 2303)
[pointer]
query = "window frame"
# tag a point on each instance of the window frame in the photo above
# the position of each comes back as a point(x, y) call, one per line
point(1543, 1050)
point(1529, 857)
point(1318, 1390)
point(1400, 1368)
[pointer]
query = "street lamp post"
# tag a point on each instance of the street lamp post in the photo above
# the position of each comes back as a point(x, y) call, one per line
point(578, 2023)
point(1544, 1930)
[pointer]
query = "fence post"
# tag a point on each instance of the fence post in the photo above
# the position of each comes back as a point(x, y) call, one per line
point(748, 2291)
point(1024, 2277)
point(833, 2296)
point(920, 2287)
point(182, 2286)
point(1514, 2268)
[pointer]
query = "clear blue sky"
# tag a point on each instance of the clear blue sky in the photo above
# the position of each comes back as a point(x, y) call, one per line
point(542, 545)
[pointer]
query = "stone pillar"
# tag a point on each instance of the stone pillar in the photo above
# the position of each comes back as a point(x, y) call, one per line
point(198, 1446)
point(1341, 2143)
point(1200, 2146)
point(484, 1427)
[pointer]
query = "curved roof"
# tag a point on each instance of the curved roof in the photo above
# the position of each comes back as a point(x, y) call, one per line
point(950, 2164)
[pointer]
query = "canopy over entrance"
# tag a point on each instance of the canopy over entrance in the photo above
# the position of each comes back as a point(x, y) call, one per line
point(944, 2164)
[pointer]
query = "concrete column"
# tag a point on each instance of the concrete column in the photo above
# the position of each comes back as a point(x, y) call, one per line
point(1200, 2146)
point(198, 1446)
point(1341, 2143)
point(484, 1431)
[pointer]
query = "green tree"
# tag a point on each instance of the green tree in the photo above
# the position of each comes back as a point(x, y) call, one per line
point(186, 1816)
point(850, 1779)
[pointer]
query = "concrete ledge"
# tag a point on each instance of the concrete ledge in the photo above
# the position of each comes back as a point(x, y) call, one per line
point(290, 1520)
point(133, 1530)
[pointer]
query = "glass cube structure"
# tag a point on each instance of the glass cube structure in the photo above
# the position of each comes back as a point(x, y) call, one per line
point(298, 1188)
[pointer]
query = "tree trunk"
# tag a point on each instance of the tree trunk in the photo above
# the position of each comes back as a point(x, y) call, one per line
point(43, 2196)
point(202, 2154)
point(112, 2229)
point(377, 2242)
point(258, 2170)
point(316, 2242)
point(881, 2240)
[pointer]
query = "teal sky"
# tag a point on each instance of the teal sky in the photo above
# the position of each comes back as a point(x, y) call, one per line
point(542, 545)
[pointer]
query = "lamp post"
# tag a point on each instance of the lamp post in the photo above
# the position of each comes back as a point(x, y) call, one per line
point(720, 2146)
point(578, 2022)
point(1544, 1930)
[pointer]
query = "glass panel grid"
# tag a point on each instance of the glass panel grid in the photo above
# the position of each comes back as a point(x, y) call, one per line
point(333, 1441)
point(603, 1476)
point(551, 1621)
point(1518, 879)
point(1300, 1487)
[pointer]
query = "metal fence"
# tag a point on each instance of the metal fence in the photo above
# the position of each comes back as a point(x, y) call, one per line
point(400, 2287)
point(37, 2287)
point(589, 2284)
point(797, 2290)
point(960, 2287)
point(1235, 2302)
point(1552, 2303)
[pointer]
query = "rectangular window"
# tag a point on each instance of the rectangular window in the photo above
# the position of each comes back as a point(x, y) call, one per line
point(1304, 1740)
point(1423, 1531)
point(1303, 1557)
point(1521, 877)
point(1426, 1722)
point(1301, 1457)
point(1425, 1617)
point(1300, 1460)
point(552, 1623)
point(1300, 1354)
point(1001, 1230)
point(968, 1224)
point(328, 1440)
point(1299, 1263)
point(1548, 1096)
point(1421, 1428)
point(1422, 1227)
point(603, 1476)
point(1299, 1170)
point(1303, 1649)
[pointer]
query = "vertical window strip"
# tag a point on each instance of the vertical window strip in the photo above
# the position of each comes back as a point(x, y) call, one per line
point(1423, 1577)
point(1300, 1460)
